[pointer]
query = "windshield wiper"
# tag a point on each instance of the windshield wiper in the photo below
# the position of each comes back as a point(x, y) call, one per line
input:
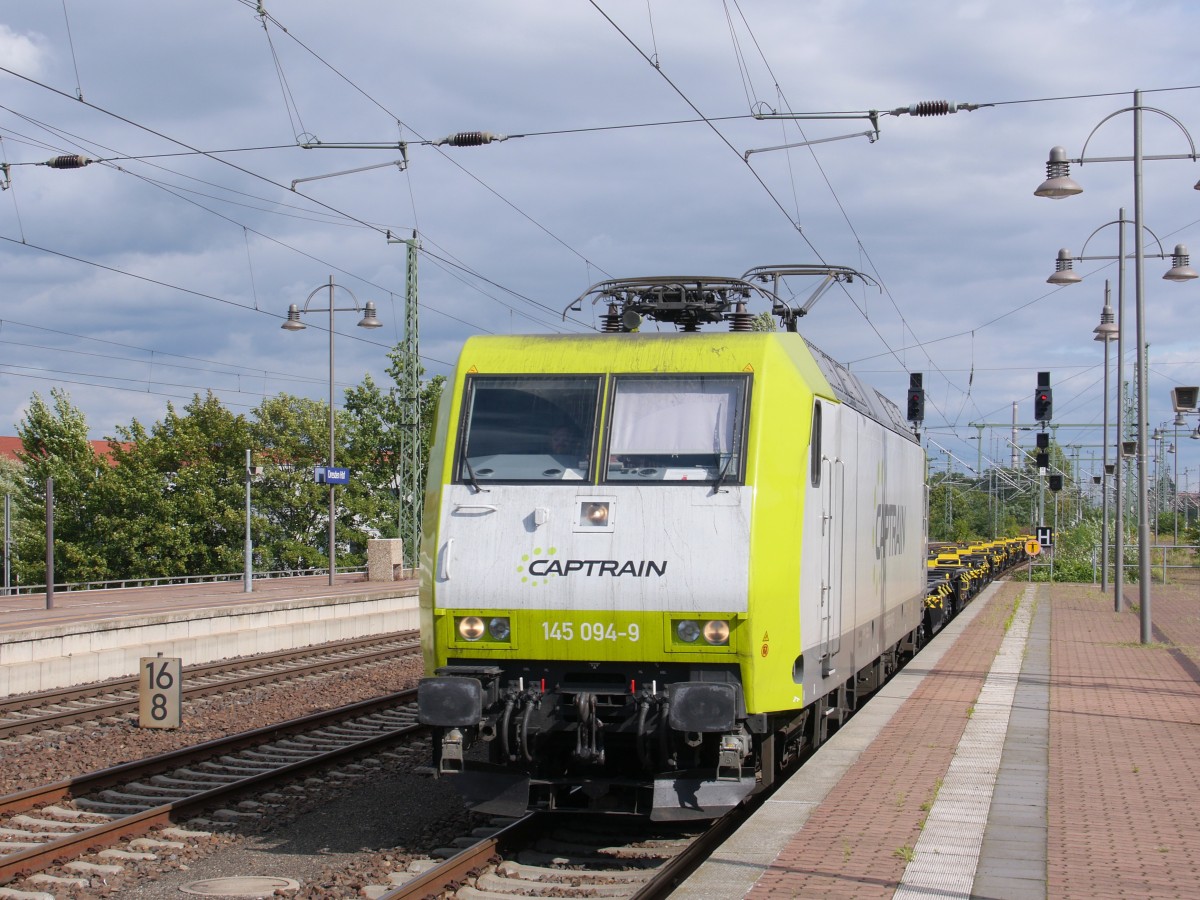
point(471, 477)
point(721, 477)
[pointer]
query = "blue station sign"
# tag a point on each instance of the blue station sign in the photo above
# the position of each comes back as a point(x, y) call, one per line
point(331, 475)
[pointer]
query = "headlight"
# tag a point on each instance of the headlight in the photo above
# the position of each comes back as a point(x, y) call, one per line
point(594, 514)
point(470, 628)
point(499, 629)
point(688, 631)
point(716, 632)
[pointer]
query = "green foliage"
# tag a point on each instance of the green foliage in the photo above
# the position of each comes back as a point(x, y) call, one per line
point(10, 479)
point(1164, 525)
point(172, 501)
point(56, 446)
point(764, 321)
point(290, 436)
point(1074, 552)
point(1190, 535)
point(964, 509)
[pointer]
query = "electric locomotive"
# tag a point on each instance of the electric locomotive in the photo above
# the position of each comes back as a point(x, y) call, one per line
point(656, 566)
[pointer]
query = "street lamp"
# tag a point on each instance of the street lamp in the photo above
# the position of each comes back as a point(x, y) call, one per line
point(1059, 185)
point(1157, 437)
point(293, 323)
point(1106, 332)
point(1179, 420)
point(1065, 274)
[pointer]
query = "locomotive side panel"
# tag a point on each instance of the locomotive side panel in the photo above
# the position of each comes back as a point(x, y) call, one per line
point(785, 509)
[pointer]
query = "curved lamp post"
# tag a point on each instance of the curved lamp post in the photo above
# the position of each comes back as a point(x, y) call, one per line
point(1064, 274)
point(1058, 185)
point(1106, 332)
point(293, 323)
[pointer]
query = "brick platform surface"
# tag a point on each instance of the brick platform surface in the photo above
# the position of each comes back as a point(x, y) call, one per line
point(1122, 789)
point(857, 842)
point(1124, 794)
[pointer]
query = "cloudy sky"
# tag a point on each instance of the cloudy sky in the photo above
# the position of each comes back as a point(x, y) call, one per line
point(165, 268)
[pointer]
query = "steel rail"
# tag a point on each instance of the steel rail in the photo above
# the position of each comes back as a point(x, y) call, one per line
point(205, 670)
point(69, 846)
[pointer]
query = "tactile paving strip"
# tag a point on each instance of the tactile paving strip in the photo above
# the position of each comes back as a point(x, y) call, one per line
point(947, 853)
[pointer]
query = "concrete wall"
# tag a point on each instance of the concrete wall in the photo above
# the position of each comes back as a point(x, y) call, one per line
point(79, 653)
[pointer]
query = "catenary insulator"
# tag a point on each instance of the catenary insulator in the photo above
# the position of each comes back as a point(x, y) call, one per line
point(74, 161)
point(936, 108)
point(933, 108)
point(472, 138)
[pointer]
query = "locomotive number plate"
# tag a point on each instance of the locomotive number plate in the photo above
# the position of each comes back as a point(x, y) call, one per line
point(589, 631)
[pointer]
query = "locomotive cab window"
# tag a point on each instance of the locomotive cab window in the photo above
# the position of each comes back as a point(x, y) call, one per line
point(667, 428)
point(519, 428)
point(814, 462)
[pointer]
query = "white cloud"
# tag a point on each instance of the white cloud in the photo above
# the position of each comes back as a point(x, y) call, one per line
point(940, 208)
point(25, 53)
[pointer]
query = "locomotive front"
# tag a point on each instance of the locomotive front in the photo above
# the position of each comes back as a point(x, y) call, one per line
point(585, 580)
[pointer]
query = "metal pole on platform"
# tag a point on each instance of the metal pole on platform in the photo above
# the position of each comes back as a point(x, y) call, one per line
point(332, 487)
point(293, 323)
point(1106, 332)
point(1175, 483)
point(248, 580)
point(7, 543)
point(50, 543)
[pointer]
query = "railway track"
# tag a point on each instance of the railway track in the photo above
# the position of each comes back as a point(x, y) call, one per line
point(556, 855)
point(44, 826)
point(31, 713)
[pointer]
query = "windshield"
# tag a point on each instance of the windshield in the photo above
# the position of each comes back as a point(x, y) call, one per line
point(528, 428)
point(677, 429)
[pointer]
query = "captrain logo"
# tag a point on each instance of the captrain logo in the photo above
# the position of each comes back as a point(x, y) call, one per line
point(527, 560)
point(540, 566)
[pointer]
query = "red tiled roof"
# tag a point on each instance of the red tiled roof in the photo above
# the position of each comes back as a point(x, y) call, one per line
point(10, 446)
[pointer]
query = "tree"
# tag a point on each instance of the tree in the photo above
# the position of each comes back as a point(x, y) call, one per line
point(55, 445)
point(10, 480)
point(763, 321)
point(290, 436)
point(174, 500)
point(373, 452)
point(379, 446)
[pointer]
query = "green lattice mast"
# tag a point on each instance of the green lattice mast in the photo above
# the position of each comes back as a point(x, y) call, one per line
point(412, 493)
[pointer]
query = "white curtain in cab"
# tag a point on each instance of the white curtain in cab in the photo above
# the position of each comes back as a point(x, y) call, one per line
point(690, 415)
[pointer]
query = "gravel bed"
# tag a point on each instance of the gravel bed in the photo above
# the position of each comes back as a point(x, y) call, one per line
point(334, 835)
point(47, 757)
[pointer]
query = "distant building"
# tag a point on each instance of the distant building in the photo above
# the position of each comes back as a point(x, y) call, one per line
point(10, 446)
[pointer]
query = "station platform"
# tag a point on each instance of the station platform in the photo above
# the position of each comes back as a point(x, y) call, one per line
point(1035, 748)
point(90, 636)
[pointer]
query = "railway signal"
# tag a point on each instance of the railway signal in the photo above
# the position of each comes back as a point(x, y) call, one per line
point(916, 398)
point(1043, 399)
point(1056, 483)
point(1043, 446)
